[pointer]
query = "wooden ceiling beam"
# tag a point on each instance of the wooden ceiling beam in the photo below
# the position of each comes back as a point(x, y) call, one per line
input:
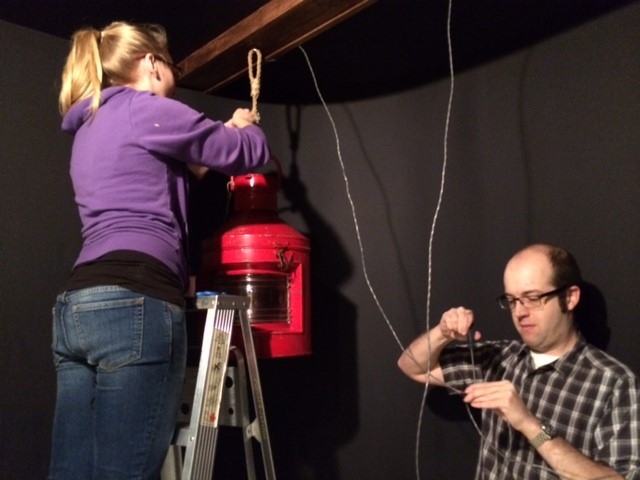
point(275, 28)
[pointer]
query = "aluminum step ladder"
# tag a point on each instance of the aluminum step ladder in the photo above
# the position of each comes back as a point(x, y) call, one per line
point(220, 396)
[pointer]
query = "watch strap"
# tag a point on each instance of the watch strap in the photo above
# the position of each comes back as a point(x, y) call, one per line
point(547, 433)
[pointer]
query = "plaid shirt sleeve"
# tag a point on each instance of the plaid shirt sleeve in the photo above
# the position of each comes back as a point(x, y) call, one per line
point(618, 431)
point(462, 364)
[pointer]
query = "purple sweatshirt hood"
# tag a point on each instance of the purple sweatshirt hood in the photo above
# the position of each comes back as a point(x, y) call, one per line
point(80, 113)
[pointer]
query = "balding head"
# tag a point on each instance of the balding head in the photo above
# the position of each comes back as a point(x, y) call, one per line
point(552, 264)
point(565, 270)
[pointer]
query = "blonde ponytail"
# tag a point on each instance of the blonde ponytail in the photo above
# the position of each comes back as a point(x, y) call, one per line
point(106, 58)
point(82, 74)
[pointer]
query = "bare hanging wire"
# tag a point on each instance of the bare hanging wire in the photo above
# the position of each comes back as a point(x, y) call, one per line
point(351, 203)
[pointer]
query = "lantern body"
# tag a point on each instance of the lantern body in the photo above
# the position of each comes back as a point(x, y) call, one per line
point(257, 255)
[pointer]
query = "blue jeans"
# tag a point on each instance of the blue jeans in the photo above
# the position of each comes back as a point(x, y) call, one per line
point(120, 359)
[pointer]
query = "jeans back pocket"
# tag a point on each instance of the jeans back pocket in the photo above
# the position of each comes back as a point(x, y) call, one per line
point(110, 331)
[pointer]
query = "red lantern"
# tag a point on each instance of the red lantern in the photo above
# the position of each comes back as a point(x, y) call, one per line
point(256, 254)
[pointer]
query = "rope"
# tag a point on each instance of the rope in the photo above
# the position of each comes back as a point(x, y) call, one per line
point(254, 79)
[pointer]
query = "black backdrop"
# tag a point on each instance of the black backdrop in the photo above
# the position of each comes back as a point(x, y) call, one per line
point(543, 146)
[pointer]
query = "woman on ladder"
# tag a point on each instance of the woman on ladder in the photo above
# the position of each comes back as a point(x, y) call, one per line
point(119, 342)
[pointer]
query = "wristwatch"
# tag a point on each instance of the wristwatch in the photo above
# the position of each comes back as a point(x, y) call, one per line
point(547, 433)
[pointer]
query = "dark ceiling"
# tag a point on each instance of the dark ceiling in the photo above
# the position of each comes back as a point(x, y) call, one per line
point(391, 46)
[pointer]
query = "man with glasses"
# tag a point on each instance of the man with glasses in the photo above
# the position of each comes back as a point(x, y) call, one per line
point(553, 406)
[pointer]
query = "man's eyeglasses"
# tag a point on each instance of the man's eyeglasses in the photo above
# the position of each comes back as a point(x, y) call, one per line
point(508, 302)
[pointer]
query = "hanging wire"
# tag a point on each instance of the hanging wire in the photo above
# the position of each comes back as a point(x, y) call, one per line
point(445, 153)
point(351, 203)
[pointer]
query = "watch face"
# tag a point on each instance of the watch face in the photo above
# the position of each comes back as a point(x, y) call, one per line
point(548, 429)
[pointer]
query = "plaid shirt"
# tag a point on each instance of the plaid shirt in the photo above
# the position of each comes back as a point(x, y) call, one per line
point(590, 398)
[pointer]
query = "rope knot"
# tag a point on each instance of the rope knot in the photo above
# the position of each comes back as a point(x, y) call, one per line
point(254, 79)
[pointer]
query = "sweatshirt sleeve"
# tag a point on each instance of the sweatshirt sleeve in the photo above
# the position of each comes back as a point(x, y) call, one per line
point(169, 128)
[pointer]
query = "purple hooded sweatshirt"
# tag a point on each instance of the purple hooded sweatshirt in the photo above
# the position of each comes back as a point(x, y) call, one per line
point(128, 168)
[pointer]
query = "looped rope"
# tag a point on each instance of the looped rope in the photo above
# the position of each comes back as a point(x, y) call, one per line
point(254, 79)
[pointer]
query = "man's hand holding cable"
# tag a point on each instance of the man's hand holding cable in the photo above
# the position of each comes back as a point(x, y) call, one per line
point(419, 361)
point(503, 398)
point(455, 324)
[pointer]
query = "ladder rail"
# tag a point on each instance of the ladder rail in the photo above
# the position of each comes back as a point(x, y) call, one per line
point(258, 399)
point(200, 438)
point(201, 442)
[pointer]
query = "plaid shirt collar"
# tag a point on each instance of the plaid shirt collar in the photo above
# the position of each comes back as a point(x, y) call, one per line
point(563, 365)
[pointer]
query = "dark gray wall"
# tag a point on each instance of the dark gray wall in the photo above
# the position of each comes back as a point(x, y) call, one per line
point(542, 147)
point(39, 239)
